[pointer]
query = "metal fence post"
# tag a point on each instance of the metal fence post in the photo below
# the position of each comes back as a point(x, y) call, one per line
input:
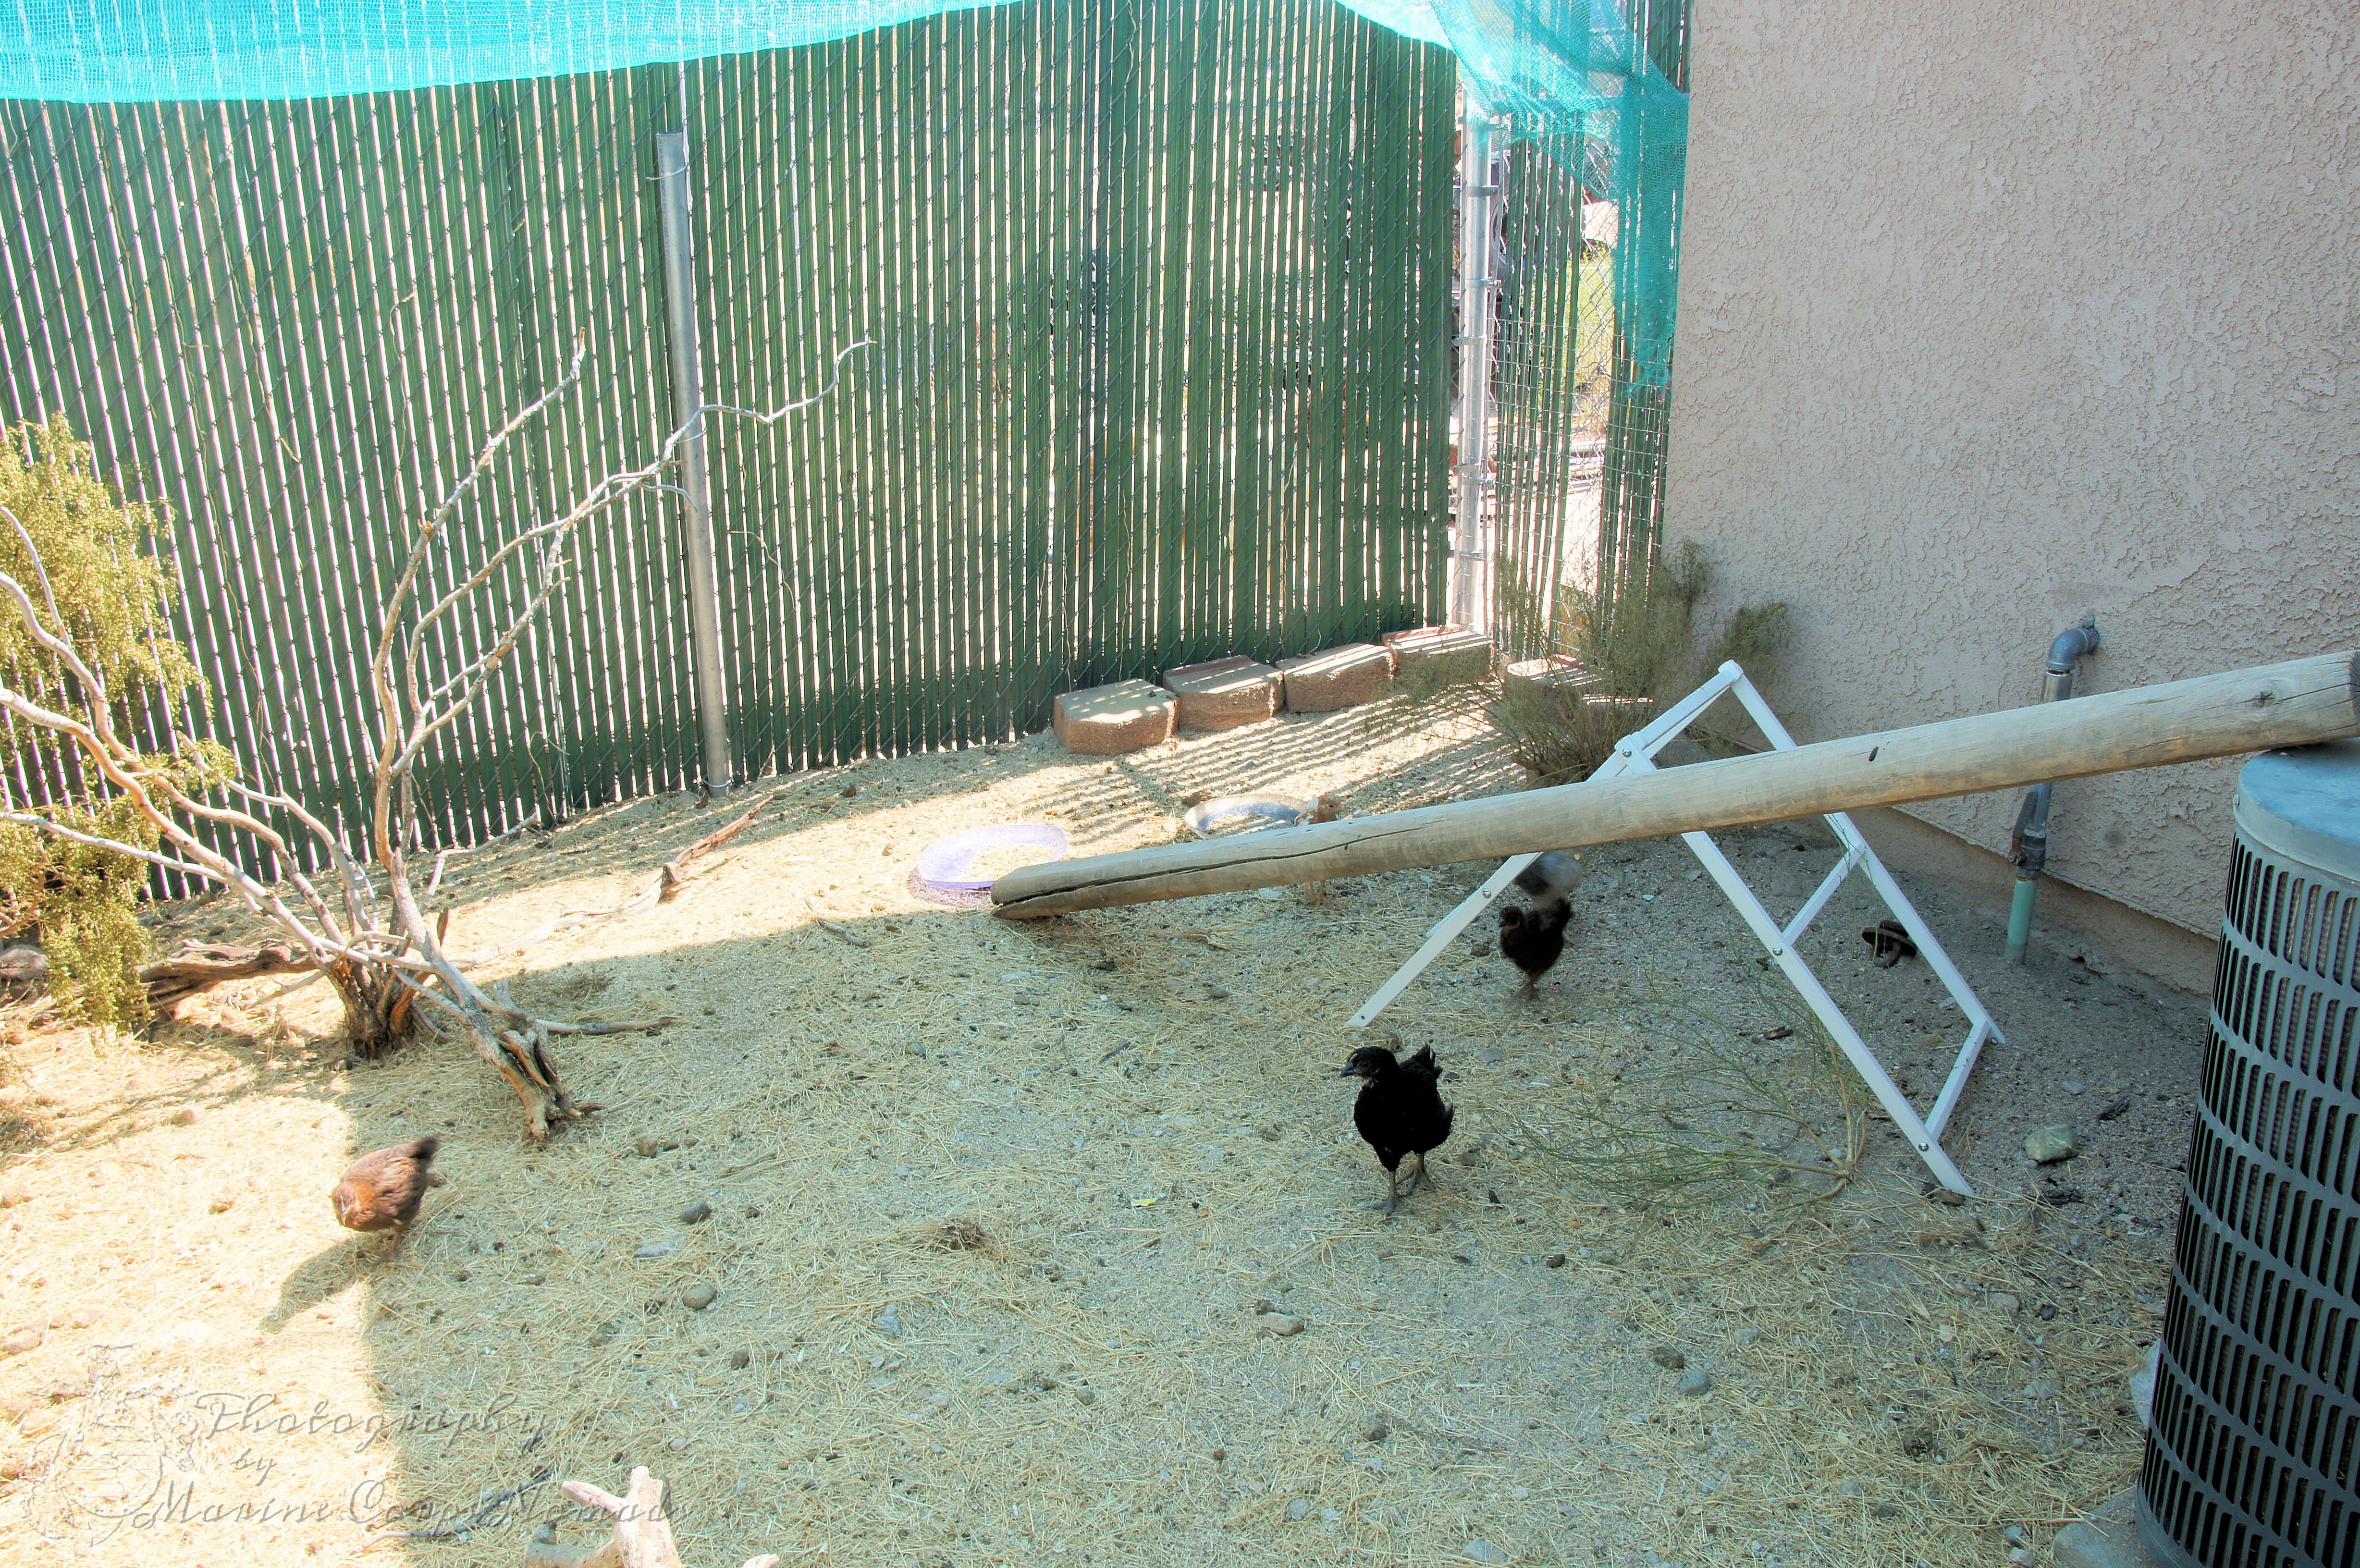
point(697, 501)
point(1478, 208)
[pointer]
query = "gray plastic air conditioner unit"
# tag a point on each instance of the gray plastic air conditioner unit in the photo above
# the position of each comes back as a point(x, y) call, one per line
point(2253, 1453)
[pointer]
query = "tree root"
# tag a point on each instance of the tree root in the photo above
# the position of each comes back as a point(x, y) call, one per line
point(201, 965)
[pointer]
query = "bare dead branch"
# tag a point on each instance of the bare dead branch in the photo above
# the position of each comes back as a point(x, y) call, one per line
point(383, 953)
point(642, 1536)
point(669, 880)
point(49, 595)
point(153, 857)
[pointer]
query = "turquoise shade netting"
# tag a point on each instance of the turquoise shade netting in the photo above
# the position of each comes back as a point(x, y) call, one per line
point(1571, 75)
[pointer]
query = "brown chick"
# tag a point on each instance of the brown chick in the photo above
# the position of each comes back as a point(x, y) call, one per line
point(382, 1190)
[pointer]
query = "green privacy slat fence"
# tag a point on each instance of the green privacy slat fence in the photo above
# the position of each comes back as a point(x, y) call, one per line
point(1160, 297)
point(1551, 382)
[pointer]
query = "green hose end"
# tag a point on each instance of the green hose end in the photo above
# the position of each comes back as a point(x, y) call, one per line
point(2019, 919)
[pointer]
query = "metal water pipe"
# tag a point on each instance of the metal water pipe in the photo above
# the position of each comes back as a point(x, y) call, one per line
point(1481, 182)
point(2028, 845)
point(696, 499)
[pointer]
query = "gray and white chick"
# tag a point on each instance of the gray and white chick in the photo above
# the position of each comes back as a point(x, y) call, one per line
point(1553, 876)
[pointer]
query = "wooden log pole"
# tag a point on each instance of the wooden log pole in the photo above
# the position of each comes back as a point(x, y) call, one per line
point(2296, 703)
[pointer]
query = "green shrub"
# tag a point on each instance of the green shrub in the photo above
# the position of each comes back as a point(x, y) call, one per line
point(113, 595)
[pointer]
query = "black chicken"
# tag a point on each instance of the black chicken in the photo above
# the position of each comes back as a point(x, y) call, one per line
point(1889, 940)
point(1400, 1112)
point(1532, 936)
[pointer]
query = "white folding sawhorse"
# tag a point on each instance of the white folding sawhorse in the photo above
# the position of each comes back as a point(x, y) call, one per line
point(1636, 754)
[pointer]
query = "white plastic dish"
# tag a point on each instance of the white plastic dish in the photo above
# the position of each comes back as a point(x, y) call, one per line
point(949, 863)
point(1268, 812)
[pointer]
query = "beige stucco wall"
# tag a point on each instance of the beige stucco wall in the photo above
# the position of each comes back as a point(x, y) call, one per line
point(1994, 315)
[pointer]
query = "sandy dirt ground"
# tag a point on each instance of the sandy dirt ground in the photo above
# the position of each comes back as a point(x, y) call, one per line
point(1052, 1243)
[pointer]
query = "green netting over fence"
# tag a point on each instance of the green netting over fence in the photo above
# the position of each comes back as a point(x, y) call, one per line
point(1161, 303)
point(1589, 266)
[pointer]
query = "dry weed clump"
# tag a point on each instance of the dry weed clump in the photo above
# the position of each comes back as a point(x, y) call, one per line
point(961, 1234)
point(1636, 650)
point(1714, 1109)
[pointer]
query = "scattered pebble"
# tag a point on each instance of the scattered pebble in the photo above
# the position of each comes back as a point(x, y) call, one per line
point(1284, 1326)
point(1555, 1260)
point(699, 1297)
point(888, 1322)
point(2074, 1085)
point(1297, 1509)
point(2045, 1388)
point(2051, 1144)
point(220, 1205)
point(185, 1117)
point(2006, 1304)
point(13, 1195)
point(1852, 1489)
point(1669, 1359)
point(2024, 1557)
point(1377, 1431)
point(2115, 1107)
point(1696, 1380)
point(696, 1213)
point(647, 1147)
point(23, 1340)
point(2013, 1535)
point(1220, 1454)
point(1483, 1552)
point(739, 1358)
point(660, 1249)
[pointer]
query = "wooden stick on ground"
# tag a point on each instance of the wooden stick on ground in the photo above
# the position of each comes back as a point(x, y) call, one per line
point(669, 880)
point(2296, 703)
point(642, 1536)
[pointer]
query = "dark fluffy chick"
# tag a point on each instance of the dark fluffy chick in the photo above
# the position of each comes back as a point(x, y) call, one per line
point(1532, 937)
point(1400, 1112)
point(382, 1190)
point(1889, 940)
